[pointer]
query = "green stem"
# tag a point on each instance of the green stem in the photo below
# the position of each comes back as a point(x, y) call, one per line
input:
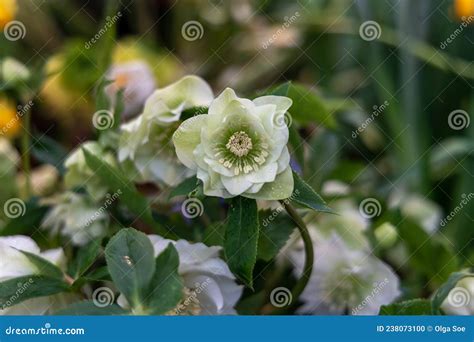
point(309, 252)
point(25, 153)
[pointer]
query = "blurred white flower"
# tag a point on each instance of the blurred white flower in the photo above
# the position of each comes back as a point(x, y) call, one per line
point(146, 141)
point(421, 210)
point(210, 287)
point(14, 264)
point(12, 70)
point(78, 174)
point(76, 217)
point(137, 81)
point(344, 280)
point(349, 224)
point(239, 148)
point(460, 300)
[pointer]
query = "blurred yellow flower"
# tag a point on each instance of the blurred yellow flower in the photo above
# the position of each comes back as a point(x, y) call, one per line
point(9, 121)
point(464, 9)
point(8, 9)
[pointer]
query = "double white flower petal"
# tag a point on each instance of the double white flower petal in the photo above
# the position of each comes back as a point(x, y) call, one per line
point(210, 286)
point(145, 142)
point(239, 147)
point(14, 264)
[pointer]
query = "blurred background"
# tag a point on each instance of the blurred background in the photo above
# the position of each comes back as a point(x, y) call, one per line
point(393, 81)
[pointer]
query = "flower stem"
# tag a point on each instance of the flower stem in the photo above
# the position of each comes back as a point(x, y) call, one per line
point(25, 152)
point(309, 252)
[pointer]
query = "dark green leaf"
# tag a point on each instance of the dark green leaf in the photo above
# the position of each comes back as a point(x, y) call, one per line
point(166, 289)
point(413, 307)
point(43, 266)
point(305, 195)
point(297, 146)
point(241, 238)
point(428, 256)
point(214, 234)
point(442, 293)
point(185, 188)
point(27, 223)
point(48, 151)
point(275, 230)
point(17, 290)
point(84, 259)
point(89, 308)
point(307, 105)
point(131, 264)
point(118, 182)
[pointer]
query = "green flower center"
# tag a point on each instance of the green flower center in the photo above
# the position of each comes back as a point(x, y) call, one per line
point(241, 151)
point(240, 144)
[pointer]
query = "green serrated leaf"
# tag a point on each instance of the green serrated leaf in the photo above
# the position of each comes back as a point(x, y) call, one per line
point(442, 293)
point(304, 195)
point(241, 238)
point(118, 182)
point(44, 267)
point(17, 290)
point(84, 259)
point(407, 308)
point(166, 290)
point(131, 263)
point(89, 308)
point(275, 230)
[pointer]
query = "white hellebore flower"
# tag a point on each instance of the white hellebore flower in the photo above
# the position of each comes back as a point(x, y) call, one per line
point(136, 80)
point(344, 280)
point(146, 140)
point(349, 224)
point(12, 70)
point(210, 286)
point(79, 174)
point(14, 264)
point(460, 300)
point(239, 147)
point(76, 217)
